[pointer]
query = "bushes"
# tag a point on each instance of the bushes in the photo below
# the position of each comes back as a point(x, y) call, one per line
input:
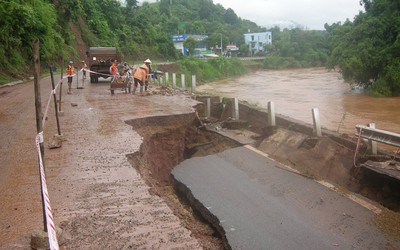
point(277, 62)
point(211, 69)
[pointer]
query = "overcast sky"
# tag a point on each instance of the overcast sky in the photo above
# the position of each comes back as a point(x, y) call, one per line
point(311, 14)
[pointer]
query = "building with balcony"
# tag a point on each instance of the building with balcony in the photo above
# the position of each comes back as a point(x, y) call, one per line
point(256, 41)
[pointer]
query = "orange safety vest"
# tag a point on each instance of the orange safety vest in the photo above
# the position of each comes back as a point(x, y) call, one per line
point(140, 74)
point(70, 70)
point(113, 69)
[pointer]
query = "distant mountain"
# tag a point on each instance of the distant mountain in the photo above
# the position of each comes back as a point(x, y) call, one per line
point(285, 24)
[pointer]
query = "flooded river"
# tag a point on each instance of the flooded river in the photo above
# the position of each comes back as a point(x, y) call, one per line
point(296, 92)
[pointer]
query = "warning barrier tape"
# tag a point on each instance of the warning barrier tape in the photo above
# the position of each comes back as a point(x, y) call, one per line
point(53, 91)
point(51, 229)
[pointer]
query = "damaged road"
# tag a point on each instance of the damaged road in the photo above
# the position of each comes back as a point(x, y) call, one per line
point(110, 185)
point(257, 203)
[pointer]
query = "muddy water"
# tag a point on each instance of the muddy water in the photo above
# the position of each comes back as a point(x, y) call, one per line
point(296, 92)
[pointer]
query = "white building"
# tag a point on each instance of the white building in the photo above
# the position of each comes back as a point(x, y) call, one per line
point(256, 41)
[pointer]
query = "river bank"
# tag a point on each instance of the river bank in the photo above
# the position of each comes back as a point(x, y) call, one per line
point(296, 92)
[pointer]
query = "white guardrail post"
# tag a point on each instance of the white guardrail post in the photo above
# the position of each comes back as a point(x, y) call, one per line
point(316, 122)
point(193, 83)
point(183, 84)
point(271, 114)
point(208, 109)
point(173, 80)
point(235, 109)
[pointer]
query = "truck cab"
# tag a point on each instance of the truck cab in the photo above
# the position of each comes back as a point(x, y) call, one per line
point(100, 60)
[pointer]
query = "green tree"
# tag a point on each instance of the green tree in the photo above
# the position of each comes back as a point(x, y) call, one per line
point(230, 16)
point(297, 48)
point(190, 44)
point(367, 51)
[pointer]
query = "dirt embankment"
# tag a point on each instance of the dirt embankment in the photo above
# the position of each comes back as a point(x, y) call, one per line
point(165, 145)
point(328, 158)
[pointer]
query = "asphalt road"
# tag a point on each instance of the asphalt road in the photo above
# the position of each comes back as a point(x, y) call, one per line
point(262, 206)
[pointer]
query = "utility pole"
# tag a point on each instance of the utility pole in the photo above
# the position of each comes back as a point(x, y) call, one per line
point(55, 98)
point(38, 107)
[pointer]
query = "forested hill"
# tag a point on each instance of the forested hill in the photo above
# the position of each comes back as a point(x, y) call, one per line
point(66, 28)
point(366, 50)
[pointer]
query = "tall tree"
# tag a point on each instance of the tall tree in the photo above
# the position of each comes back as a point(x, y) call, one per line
point(367, 50)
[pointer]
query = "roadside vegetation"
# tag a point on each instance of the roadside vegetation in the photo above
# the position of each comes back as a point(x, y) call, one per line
point(366, 51)
point(297, 48)
point(212, 69)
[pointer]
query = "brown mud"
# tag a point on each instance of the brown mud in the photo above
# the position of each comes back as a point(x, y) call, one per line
point(165, 145)
point(97, 197)
point(328, 158)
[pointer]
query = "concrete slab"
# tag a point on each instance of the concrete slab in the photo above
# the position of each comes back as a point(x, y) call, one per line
point(387, 168)
point(257, 204)
point(244, 137)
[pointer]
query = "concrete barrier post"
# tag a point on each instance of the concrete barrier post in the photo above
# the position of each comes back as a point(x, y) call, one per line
point(316, 122)
point(183, 84)
point(271, 114)
point(208, 108)
point(193, 83)
point(373, 144)
point(173, 80)
point(166, 79)
point(235, 109)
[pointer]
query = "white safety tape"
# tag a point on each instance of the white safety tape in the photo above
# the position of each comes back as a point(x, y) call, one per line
point(52, 92)
point(51, 229)
point(40, 135)
point(94, 72)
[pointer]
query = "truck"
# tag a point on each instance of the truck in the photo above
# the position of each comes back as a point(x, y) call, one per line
point(100, 60)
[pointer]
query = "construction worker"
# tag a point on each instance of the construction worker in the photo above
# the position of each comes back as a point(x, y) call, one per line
point(149, 71)
point(84, 68)
point(139, 77)
point(148, 64)
point(114, 70)
point(70, 74)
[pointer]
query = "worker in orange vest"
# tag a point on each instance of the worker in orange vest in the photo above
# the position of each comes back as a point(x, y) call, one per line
point(114, 70)
point(139, 77)
point(149, 72)
point(70, 74)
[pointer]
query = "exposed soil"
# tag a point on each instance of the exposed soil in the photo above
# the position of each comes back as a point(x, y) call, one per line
point(100, 201)
point(165, 145)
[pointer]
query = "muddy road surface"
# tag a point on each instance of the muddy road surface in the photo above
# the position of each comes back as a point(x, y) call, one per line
point(98, 199)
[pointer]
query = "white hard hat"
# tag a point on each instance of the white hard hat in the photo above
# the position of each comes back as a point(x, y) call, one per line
point(147, 61)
